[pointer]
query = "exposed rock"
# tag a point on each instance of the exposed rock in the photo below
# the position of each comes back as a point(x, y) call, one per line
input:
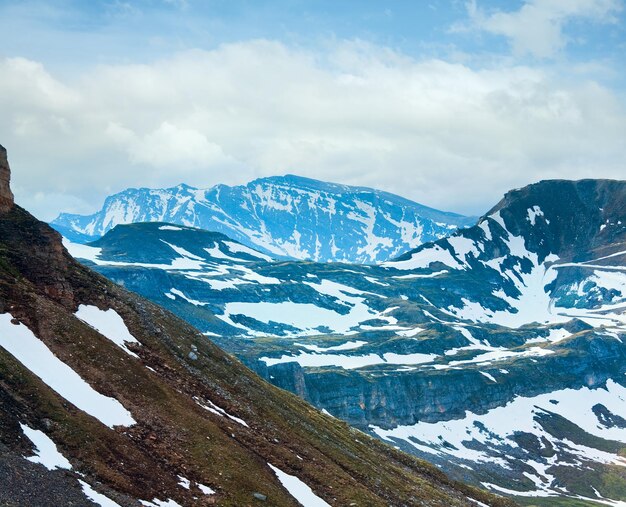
point(6, 196)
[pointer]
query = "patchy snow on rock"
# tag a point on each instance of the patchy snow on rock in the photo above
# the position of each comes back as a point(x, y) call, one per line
point(182, 252)
point(492, 355)
point(109, 324)
point(393, 358)
point(206, 490)
point(46, 452)
point(29, 350)
point(307, 317)
point(344, 346)
point(347, 295)
point(476, 502)
point(554, 336)
point(319, 360)
point(159, 503)
point(239, 248)
point(216, 253)
point(610, 280)
point(187, 262)
point(533, 213)
point(214, 409)
point(253, 276)
point(424, 258)
point(349, 362)
point(170, 228)
point(181, 294)
point(375, 281)
point(97, 498)
point(410, 333)
point(533, 304)
point(463, 247)
point(298, 489)
point(79, 251)
point(471, 437)
point(412, 276)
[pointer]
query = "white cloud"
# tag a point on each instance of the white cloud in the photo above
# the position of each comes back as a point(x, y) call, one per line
point(443, 134)
point(537, 28)
point(169, 146)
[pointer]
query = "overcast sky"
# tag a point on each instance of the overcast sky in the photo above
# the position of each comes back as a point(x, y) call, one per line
point(447, 102)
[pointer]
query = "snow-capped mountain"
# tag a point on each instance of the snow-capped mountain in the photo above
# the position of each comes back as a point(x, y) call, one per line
point(498, 352)
point(107, 399)
point(289, 217)
point(546, 253)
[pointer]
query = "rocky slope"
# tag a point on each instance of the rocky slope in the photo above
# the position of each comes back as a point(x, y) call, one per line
point(107, 399)
point(288, 217)
point(497, 352)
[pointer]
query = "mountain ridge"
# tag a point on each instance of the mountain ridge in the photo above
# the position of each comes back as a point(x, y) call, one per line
point(284, 216)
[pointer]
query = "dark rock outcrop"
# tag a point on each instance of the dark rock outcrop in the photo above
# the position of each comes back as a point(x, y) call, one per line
point(6, 196)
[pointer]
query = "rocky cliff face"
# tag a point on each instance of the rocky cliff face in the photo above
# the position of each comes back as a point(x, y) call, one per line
point(6, 196)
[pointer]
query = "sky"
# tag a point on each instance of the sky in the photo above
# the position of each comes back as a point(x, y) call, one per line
point(450, 103)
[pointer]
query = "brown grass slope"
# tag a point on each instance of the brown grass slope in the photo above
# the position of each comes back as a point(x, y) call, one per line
point(42, 286)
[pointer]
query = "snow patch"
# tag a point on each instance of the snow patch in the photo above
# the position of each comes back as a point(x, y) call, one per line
point(46, 452)
point(214, 409)
point(298, 489)
point(29, 350)
point(97, 498)
point(533, 213)
point(424, 258)
point(109, 324)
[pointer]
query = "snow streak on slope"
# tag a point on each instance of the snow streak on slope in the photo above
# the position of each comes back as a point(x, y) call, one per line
point(109, 324)
point(298, 489)
point(19, 341)
point(97, 498)
point(46, 451)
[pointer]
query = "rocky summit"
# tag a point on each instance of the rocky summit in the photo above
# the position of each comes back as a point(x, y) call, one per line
point(107, 399)
point(286, 217)
point(498, 352)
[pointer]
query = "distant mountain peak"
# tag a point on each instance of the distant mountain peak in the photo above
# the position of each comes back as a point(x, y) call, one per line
point(284, 216)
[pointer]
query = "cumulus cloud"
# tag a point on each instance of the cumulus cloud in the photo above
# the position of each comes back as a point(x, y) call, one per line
point(537, 28)
point(169, 146)
point(440, 133)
